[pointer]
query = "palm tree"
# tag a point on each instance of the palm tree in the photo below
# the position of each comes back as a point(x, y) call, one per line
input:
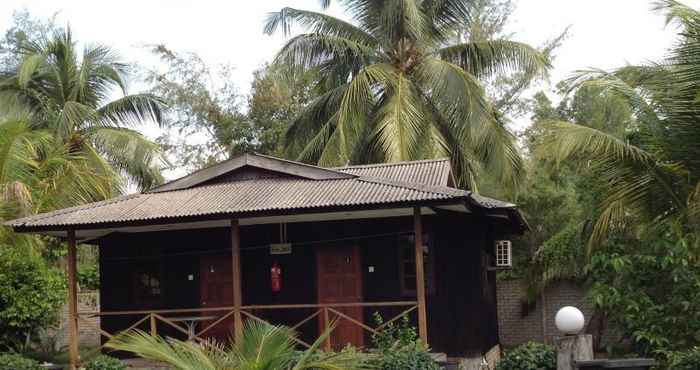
point(68, 98)
point(653, 169)
point(398, 84)
point(261, 347)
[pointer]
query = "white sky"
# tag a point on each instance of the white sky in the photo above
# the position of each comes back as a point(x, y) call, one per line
point(604, 33)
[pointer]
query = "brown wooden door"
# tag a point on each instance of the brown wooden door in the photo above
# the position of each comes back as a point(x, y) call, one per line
point(216, 290)
point(340, 281)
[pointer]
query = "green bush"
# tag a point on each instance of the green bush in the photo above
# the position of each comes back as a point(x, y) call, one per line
point(89, 277)
point(31, 295)
point(103, 362)
point(13, 361)
point(413, 356)
point(397, 348)
point(688, 360)
point(530, 356)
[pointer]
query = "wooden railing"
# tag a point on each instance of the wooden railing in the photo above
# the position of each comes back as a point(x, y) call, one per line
point(326, 314)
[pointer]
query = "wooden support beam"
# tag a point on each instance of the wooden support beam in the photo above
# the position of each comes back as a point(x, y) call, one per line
point(154, 325)
point(236, 270)
point(327, 330)
point(72, 302)
point(420, 276)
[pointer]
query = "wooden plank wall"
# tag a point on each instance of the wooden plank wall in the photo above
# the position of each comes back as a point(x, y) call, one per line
point(461, 312)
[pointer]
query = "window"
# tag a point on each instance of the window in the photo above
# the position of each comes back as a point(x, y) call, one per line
point(407, 268)
point(146, 284)
point(503, 253)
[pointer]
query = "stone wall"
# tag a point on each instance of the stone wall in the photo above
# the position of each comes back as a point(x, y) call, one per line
point(515, 329)
point(89, 335)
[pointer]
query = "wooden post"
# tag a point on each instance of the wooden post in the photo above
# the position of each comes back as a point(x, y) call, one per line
point(420, 276)
point(154, 325)
point(326, 327)
point(72, 302)
point(543, 299)
point(236, 269)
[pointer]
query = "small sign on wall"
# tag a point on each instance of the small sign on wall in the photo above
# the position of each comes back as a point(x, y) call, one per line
point(281, 248)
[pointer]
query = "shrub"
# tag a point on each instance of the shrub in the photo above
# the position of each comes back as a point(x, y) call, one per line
point(397, 348)
point(89, 277)
point(688, 360)
point(31, 294)
point(413, 356)
point(530, 356)
point(103, 362)
point(13, 361)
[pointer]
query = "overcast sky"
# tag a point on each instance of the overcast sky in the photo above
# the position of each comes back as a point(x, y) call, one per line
point(604, 33)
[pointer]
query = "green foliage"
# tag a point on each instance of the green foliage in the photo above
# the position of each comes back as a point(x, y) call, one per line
point(412, 356)
point(688, 360)
point(649, 289)
point(651, 164)
point(203, 102)
point(397, 347)
point(23, 29)
point(530, 356)
point(13, 361)
point(31, 294)
point(394, 88)
point(89, 277)
point(103, 362)
point(261, 347)
point(46, 348)
point(402, 333)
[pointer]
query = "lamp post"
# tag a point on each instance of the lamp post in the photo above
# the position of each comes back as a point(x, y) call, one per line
point(572, 346)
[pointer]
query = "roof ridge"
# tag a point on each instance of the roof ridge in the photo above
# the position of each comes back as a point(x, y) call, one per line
point(263, 161)
point(331, 169)
point(388, 164)
point(434, 189)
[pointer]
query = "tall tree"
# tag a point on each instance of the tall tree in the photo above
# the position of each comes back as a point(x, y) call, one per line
point(275, 99)
point(396, 87)
point(210, 120)
point(653, 167)
point(23, 28)
point(64, 140)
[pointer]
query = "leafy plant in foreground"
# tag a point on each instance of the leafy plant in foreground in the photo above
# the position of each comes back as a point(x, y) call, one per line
point(103, 362)
point(261, 347)
point(12, 361)
point(397, 347)
point(530, 356)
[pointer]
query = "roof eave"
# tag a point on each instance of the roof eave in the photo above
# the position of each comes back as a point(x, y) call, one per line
point(23, 228)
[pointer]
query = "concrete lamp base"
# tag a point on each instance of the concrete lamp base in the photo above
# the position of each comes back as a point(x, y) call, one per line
point(572, 348)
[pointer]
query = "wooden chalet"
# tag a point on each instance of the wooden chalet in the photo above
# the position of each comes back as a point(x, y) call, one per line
point(262, 238)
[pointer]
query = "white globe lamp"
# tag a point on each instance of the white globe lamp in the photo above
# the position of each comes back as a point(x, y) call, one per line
point(569, 320)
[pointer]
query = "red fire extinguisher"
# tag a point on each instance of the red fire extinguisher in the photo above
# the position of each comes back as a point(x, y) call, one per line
point(275, 278)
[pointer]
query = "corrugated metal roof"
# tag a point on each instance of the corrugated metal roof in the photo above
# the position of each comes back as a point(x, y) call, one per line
point(437, 172)
point(407, 184)
point(241, 197)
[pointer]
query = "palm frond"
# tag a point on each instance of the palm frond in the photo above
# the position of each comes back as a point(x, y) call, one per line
point(313, 50)
point(316, 23)
point(180, 355)
point(128, 151)
point(400, 121)
point(131, 110)
point(447, 15)
point(565, 140)
point(637, 181)
point(488, 58)
point(263, 346)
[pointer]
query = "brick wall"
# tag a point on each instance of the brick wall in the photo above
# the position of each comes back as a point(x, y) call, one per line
point(88, 334)
point(515, 329)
